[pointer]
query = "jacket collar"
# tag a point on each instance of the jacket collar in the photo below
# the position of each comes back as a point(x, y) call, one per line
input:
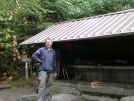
point(47, 49)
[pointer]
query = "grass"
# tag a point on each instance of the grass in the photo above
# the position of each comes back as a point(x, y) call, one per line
point(17, 83)
point(20, 83)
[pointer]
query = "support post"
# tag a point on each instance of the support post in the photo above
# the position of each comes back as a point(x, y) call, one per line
point(26, 70)
point(26, 60)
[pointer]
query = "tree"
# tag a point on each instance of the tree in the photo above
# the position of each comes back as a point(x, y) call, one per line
point(72, 9)
point(19, 19)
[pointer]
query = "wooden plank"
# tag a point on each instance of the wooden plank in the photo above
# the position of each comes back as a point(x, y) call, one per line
point(100, 66)
point(5, 86)
point(26, 59)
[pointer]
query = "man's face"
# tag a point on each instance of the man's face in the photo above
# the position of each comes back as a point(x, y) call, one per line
point(48, 43)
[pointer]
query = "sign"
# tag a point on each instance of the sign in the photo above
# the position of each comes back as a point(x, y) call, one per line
point(26, 60)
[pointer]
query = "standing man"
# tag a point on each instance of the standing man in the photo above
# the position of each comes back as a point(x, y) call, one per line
point(46, 57)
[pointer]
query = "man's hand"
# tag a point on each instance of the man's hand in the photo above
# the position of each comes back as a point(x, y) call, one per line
point(55, 74)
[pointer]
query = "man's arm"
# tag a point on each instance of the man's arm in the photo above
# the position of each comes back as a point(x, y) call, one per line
point(36, 56)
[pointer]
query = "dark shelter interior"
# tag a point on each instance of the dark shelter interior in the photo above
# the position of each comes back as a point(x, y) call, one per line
point(102, 59)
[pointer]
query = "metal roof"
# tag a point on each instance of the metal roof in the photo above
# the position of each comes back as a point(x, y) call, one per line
point(107, 25)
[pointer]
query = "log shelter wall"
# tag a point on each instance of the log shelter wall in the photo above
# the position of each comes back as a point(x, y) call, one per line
point(103, 59)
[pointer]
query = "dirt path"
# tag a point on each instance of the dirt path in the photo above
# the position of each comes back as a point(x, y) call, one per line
point(13, 94)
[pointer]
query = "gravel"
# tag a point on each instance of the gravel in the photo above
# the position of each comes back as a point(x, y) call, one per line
point(13, 93)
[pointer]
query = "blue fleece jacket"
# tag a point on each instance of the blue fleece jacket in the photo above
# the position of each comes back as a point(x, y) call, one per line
point(46, 58)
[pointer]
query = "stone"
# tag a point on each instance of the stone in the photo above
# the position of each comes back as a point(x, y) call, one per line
point(128, 98)
point(28, 97)
point(96, 98)
point(112, 88)
point(69, 97)
point(65, 97)
point(64, 90)
point(129, 92)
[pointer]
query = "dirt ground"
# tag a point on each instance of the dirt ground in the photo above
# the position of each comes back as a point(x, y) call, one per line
point(14, 93)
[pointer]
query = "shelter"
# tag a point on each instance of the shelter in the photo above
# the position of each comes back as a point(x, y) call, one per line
point(94, 48)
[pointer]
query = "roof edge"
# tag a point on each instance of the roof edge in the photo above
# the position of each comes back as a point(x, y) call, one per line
point(118, 12)
point(97, 37)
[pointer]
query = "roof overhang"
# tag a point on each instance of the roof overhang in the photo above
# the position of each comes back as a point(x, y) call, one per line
point(101, 26)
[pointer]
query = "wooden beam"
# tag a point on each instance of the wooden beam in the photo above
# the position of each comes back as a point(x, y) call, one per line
point(5, 86)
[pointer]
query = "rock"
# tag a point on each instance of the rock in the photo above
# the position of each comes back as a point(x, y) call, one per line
point(28, 97)
point(128, 98)
point(35, 83)
point(57, 97)
point(64, 90)
point(65, 97)
point(96, 98)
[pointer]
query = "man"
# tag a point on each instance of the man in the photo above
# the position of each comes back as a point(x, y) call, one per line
point(46, 56)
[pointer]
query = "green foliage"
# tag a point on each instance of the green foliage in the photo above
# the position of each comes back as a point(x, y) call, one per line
point(20, 83)
point(83, 99)
point(72, 9)
point(22, 19)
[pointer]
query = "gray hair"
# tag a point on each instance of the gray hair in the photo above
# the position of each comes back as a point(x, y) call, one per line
point(48, 39)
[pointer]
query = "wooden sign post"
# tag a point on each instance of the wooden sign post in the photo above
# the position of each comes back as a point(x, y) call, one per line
point(26, 60)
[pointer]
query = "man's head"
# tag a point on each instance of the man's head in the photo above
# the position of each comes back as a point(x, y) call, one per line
point(48, 42)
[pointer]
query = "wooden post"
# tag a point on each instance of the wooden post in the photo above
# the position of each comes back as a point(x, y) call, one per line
point(26, 60)
point(26, 70)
